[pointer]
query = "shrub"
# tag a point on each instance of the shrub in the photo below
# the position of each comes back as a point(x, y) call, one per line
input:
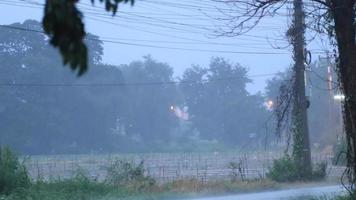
point(78, 187)
point(13, 174)
point(340, 154)
point(121, 173)
point(233, 166)
point(319, 171)
point(286, 169)
point(283, 170)
point(237, 169)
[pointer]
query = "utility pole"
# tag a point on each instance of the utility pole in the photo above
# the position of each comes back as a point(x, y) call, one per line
point(301, 146)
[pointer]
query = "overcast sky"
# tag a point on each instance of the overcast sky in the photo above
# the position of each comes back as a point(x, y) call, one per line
point(178, 32)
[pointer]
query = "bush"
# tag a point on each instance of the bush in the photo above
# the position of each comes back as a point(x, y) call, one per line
point(78, 187)
point(340, 154)
point(13, 174)
point(319, 171)
point(123, 173)
point(283, 170)
point(286, 169)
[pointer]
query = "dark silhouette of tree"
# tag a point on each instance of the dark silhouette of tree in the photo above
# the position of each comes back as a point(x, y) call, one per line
point(219, 105)
point(63, 23)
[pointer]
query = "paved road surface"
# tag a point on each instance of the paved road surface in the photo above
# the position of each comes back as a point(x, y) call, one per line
point(290, 194)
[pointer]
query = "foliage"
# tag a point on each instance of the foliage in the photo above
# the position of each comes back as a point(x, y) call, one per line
point(147, 116)
point(345, 197)
point(283, 170)
point(339, 157)
point(13, 174)
point(286, 169)
point(123, 173)
point(46, 110)
point(58, 113)
point(80, 186)
point(219, 105)
point(319, 171)
point(63, 23)
point(73, 190)
point(233, 166)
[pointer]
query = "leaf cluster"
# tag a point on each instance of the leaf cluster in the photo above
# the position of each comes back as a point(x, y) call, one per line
point(63, 23)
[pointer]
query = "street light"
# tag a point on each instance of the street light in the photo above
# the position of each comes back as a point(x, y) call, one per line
point(269, 104)
point(339, 97)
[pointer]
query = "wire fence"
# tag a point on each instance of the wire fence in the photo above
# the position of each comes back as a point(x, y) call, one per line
point(167, 167)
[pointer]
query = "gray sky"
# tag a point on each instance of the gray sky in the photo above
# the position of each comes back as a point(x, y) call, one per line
point(156, 26)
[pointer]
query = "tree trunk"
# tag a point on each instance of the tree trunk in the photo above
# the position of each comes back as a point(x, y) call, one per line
point(344, 18)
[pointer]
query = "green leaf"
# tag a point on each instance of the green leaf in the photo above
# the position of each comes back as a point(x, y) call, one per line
point(63, 23)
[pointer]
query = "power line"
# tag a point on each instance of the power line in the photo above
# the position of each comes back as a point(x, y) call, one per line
point(134, 20)
point(156, 83)
point(163, 33)
point(161, 23)
point(157, 20)
point(109, 40)
point(160, 47)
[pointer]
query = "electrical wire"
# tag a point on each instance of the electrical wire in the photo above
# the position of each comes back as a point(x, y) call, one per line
point(156, 83)
point(160, 47)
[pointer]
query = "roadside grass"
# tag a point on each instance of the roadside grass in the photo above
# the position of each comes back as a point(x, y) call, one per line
point(187, 186)
point(351, 195)
point(86, 189)
point(342, 197)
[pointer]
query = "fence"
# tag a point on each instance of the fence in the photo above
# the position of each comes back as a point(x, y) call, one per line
point(165, 167)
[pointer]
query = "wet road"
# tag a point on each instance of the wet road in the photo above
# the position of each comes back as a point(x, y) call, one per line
point(290, 194)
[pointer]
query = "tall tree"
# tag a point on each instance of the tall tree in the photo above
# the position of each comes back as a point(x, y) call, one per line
point(149, 97)
point(219, 105)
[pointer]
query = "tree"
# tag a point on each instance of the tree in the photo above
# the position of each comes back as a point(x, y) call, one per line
point(147, 115)
point(336, 17)
point(219, 105)
point(43, 108)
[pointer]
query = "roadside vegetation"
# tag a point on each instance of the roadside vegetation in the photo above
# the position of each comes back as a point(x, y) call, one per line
point(340, 154)
point(286, 169)
point(124, 180)
point(342, 197)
